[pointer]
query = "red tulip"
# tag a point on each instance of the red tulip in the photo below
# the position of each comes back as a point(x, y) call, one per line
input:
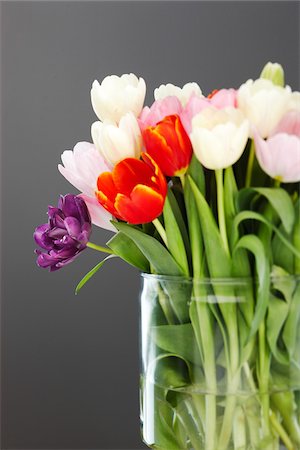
point(134, 191)
point(169, 145)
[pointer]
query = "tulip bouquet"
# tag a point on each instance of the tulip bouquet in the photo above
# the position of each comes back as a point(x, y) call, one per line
point(199, 191)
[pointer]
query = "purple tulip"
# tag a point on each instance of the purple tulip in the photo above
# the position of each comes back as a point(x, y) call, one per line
point(65, 235)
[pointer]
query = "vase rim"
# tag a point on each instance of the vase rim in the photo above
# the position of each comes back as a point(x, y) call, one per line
point(221, 280)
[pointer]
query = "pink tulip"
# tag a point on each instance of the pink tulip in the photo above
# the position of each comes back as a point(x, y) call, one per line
point(81, 167)
point(279, 155)
point(167, 106)
point(223, 98)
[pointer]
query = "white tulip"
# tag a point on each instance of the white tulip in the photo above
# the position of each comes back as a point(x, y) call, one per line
point(183, 94)
point(116, 142)
point(219, 136)
point(263, 103)
point(116, 96)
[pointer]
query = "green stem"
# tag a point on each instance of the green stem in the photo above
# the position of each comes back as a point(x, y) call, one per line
point(99, 248)
point(264, 370)
point(221, 211)
point(281, 432)
point(161, 230)
point(205, 338)
point(277, 183)
point(187, 417)
point(229, 312)
point(182, 179)
point(250, 164)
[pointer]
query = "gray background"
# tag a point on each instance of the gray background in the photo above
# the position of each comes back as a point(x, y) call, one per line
point(70, 364)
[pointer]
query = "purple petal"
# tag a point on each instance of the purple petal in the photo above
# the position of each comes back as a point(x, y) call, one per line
point(83, 210)
point(44, 260)
point(56, 217)
point(57, 233)
point(41, 237)
point(73, 226)
point(69, 206)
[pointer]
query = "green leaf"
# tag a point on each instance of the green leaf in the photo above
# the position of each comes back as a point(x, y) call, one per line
point(254, 245)
point(218, 261)
point(277, 314)
point(91, 273)
point(246, 215)
point(278, 198)
point(177, 339)
point(171, 372)
point(230, 193)
point(160, 431)
point(158, 256)
point(196, 172)
point(174, 238)
point(179, 215)
point(125, 248)
point(283, 282)
point(282, 255)
point(296, 236)
point(194, 232)
point(292, 324)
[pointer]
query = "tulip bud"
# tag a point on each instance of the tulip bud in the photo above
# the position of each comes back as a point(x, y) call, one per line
point(117, 142)
point(273, 72)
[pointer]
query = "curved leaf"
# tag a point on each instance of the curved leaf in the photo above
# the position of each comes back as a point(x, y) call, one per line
point(218, 261)
point(194, 225)
point(246, 215)
point(278, 198)
point(126, 249)
point(196, 172)
point(177, 339)
point(158, 256)
point(277, 314)
point(175, 241)
point(253, 244)
point(91, 273)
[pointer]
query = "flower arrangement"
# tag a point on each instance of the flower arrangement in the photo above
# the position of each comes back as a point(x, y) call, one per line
point(199, 188)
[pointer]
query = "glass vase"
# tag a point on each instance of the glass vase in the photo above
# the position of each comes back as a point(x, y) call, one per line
point(211, 379)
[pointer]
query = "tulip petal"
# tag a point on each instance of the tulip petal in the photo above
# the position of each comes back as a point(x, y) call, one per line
point(279, 156)
point(99, 216)
point(130, 172)
point(143, 206)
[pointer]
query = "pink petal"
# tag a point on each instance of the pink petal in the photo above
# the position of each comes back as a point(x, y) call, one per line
point(167, 106)
point(290, 124)
point(100, 217)
point(224, 98)
point(279, 156)
point(82, 166)
point(194, 106)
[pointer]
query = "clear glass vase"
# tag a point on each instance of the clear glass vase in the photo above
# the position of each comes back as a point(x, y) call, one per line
point(211, 378)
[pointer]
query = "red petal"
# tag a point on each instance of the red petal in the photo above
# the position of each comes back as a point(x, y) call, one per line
point(169, 144)
point(143, 206)
point(160, 151)
point(129, 172)
point(105, 184)
point(160, 180)
point(107, 204)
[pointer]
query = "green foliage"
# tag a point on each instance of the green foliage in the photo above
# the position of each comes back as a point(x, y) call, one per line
point(125, 248)
point(91, 273)
point(157, 255)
